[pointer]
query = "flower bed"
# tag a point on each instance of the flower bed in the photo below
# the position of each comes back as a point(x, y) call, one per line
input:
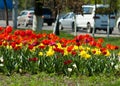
point(25, 51)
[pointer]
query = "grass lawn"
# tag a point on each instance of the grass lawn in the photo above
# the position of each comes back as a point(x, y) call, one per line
point(44, 79)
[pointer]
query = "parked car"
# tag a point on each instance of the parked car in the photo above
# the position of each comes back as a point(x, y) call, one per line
point(67, 21)
point(25, 18)
point(88, 20)
point(47, 15)
point(98, 21)
point(118, 24)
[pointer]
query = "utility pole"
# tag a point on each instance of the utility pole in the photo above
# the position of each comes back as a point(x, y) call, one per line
point(56, 27)
point(15, 13)
point(93, 31)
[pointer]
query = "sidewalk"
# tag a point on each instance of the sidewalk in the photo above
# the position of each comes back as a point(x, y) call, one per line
point(115, 33)
point(3, 23)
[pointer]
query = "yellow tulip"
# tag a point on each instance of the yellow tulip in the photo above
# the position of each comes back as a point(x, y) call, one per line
point(108, 53)
point(50, 52)
point(87, 56)
point(40, 53)
point(66, 52)
point(119, 53)
point(59, 45)
point(9, 47)
point(19, 44)
point(84, 54)
point(75, 47)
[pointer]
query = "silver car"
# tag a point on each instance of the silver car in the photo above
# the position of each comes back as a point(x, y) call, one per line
point(25, 18)
point(118, 24)
point(67, 21)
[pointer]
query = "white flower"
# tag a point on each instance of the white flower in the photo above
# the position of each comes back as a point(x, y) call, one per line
point(20, 70)
point(119, 58)
point(1, 65)
point(117, 67)
point(74, 65)
point(70, 69)
point(112, 63)
point(1, 59)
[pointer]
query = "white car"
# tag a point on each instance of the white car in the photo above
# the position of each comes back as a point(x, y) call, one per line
point(99, 22)
point(88, 20)
point(21, 13)
point(118, 24)
point(67, 21)
point(25, 18)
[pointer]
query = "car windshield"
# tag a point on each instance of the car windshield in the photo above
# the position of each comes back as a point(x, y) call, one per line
point(22, 13)
point(87, 10)
point(68, 15)
point(47, 11)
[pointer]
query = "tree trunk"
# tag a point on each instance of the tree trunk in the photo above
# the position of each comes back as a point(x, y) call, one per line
point(37, 18)
point(6, 12)
point(37, 23)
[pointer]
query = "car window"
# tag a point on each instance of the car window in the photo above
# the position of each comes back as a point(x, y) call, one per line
point(31, 13)
point(68, 16)
point(47, 11)
point(87, 10)
point(72, 15)
point(25, 13)
point(65, 15)
point(22, 13)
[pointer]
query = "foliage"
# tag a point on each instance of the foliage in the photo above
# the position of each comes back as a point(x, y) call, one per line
point(25, 4)
point(64, 3)
point(58, 6)
point(24, 51)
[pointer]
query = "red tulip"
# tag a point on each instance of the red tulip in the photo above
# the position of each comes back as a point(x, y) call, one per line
point(67, 62)
point(8, 29)
point(34, 59)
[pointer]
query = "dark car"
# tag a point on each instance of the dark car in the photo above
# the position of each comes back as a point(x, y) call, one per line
point(47, 15)
point(48, 18)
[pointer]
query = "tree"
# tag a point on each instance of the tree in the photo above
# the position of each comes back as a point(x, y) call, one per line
point(25, 4)
point(37, 17)
point(6, 12)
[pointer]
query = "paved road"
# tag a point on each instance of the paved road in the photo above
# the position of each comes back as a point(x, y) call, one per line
point(115, 33)
point(3, 23)
point(101, 33)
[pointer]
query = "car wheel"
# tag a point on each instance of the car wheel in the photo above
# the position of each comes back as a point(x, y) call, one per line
point(49, 24)
point(110, 31)
point(73, 27)
point(18, 24)
point(60, 26)
point(89, 29)
point(119, 27)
